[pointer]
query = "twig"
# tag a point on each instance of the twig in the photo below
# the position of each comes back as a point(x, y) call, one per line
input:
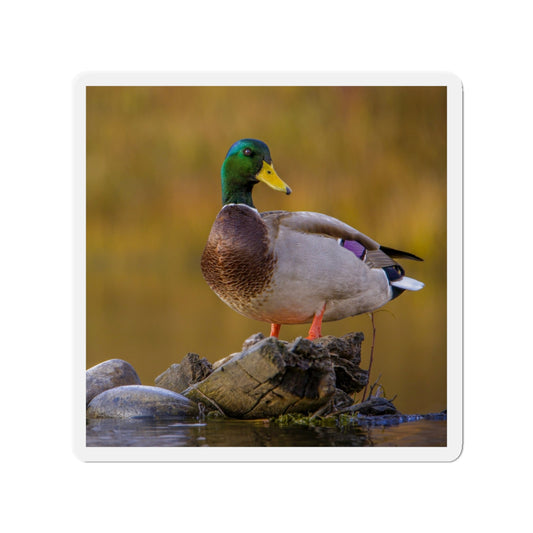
point(349, 409)
point(371, 355)
point(373, 386)
point(322, 410)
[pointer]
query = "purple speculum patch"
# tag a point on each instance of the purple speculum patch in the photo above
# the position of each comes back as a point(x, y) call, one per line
point(355, 247)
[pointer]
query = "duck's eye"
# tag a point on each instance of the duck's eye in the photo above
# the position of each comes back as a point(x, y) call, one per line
point(247, 151)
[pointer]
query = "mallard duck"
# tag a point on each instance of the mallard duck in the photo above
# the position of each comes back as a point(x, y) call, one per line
point(287, 267)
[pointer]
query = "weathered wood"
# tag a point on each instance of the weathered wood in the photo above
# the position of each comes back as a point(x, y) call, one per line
point(180, 376)
point(372, 406)
point(269, 378)
point(345, 353)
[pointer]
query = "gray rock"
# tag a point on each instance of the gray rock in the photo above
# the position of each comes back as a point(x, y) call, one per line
point(191, 370)
point(133, 401)
point(107, 375)
point(272, 377)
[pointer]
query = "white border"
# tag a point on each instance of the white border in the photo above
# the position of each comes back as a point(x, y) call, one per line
point(455, 269)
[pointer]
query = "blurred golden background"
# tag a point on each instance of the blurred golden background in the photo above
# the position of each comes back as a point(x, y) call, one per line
point(375, 157)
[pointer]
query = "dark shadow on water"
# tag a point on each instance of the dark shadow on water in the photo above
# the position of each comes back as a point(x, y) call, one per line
point(257, 433)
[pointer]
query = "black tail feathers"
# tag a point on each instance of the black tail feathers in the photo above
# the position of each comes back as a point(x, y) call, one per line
point(398, 253)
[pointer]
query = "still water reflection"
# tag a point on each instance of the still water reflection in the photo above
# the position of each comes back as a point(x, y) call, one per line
point(148, 432)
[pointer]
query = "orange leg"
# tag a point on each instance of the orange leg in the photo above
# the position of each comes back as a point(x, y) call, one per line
point(274, 330)
point(315, 331)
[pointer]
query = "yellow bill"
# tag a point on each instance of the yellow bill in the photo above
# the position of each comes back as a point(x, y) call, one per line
point(268, 175)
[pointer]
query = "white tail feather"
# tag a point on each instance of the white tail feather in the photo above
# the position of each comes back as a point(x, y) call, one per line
point(409, 284)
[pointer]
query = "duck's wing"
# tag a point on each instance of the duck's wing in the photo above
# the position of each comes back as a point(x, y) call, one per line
point(365, 248)
point(317, 223)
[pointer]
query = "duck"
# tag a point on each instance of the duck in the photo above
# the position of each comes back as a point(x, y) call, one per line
point(292, 267)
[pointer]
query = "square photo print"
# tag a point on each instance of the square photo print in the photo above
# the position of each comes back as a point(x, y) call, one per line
point(268, 267)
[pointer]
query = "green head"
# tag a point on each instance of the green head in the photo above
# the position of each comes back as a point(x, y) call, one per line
point(248, 162)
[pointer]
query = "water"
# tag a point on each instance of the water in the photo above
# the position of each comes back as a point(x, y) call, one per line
point(258, 433)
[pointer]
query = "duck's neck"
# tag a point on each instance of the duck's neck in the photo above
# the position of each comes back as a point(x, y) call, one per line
point(242, 195)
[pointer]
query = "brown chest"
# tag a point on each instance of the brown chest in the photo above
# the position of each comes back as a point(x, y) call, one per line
point(237, 261)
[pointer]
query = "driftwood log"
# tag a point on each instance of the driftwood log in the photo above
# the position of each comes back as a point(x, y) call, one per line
point(272, 377)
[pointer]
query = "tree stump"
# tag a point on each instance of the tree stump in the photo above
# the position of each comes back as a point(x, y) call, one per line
point(270, 378)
